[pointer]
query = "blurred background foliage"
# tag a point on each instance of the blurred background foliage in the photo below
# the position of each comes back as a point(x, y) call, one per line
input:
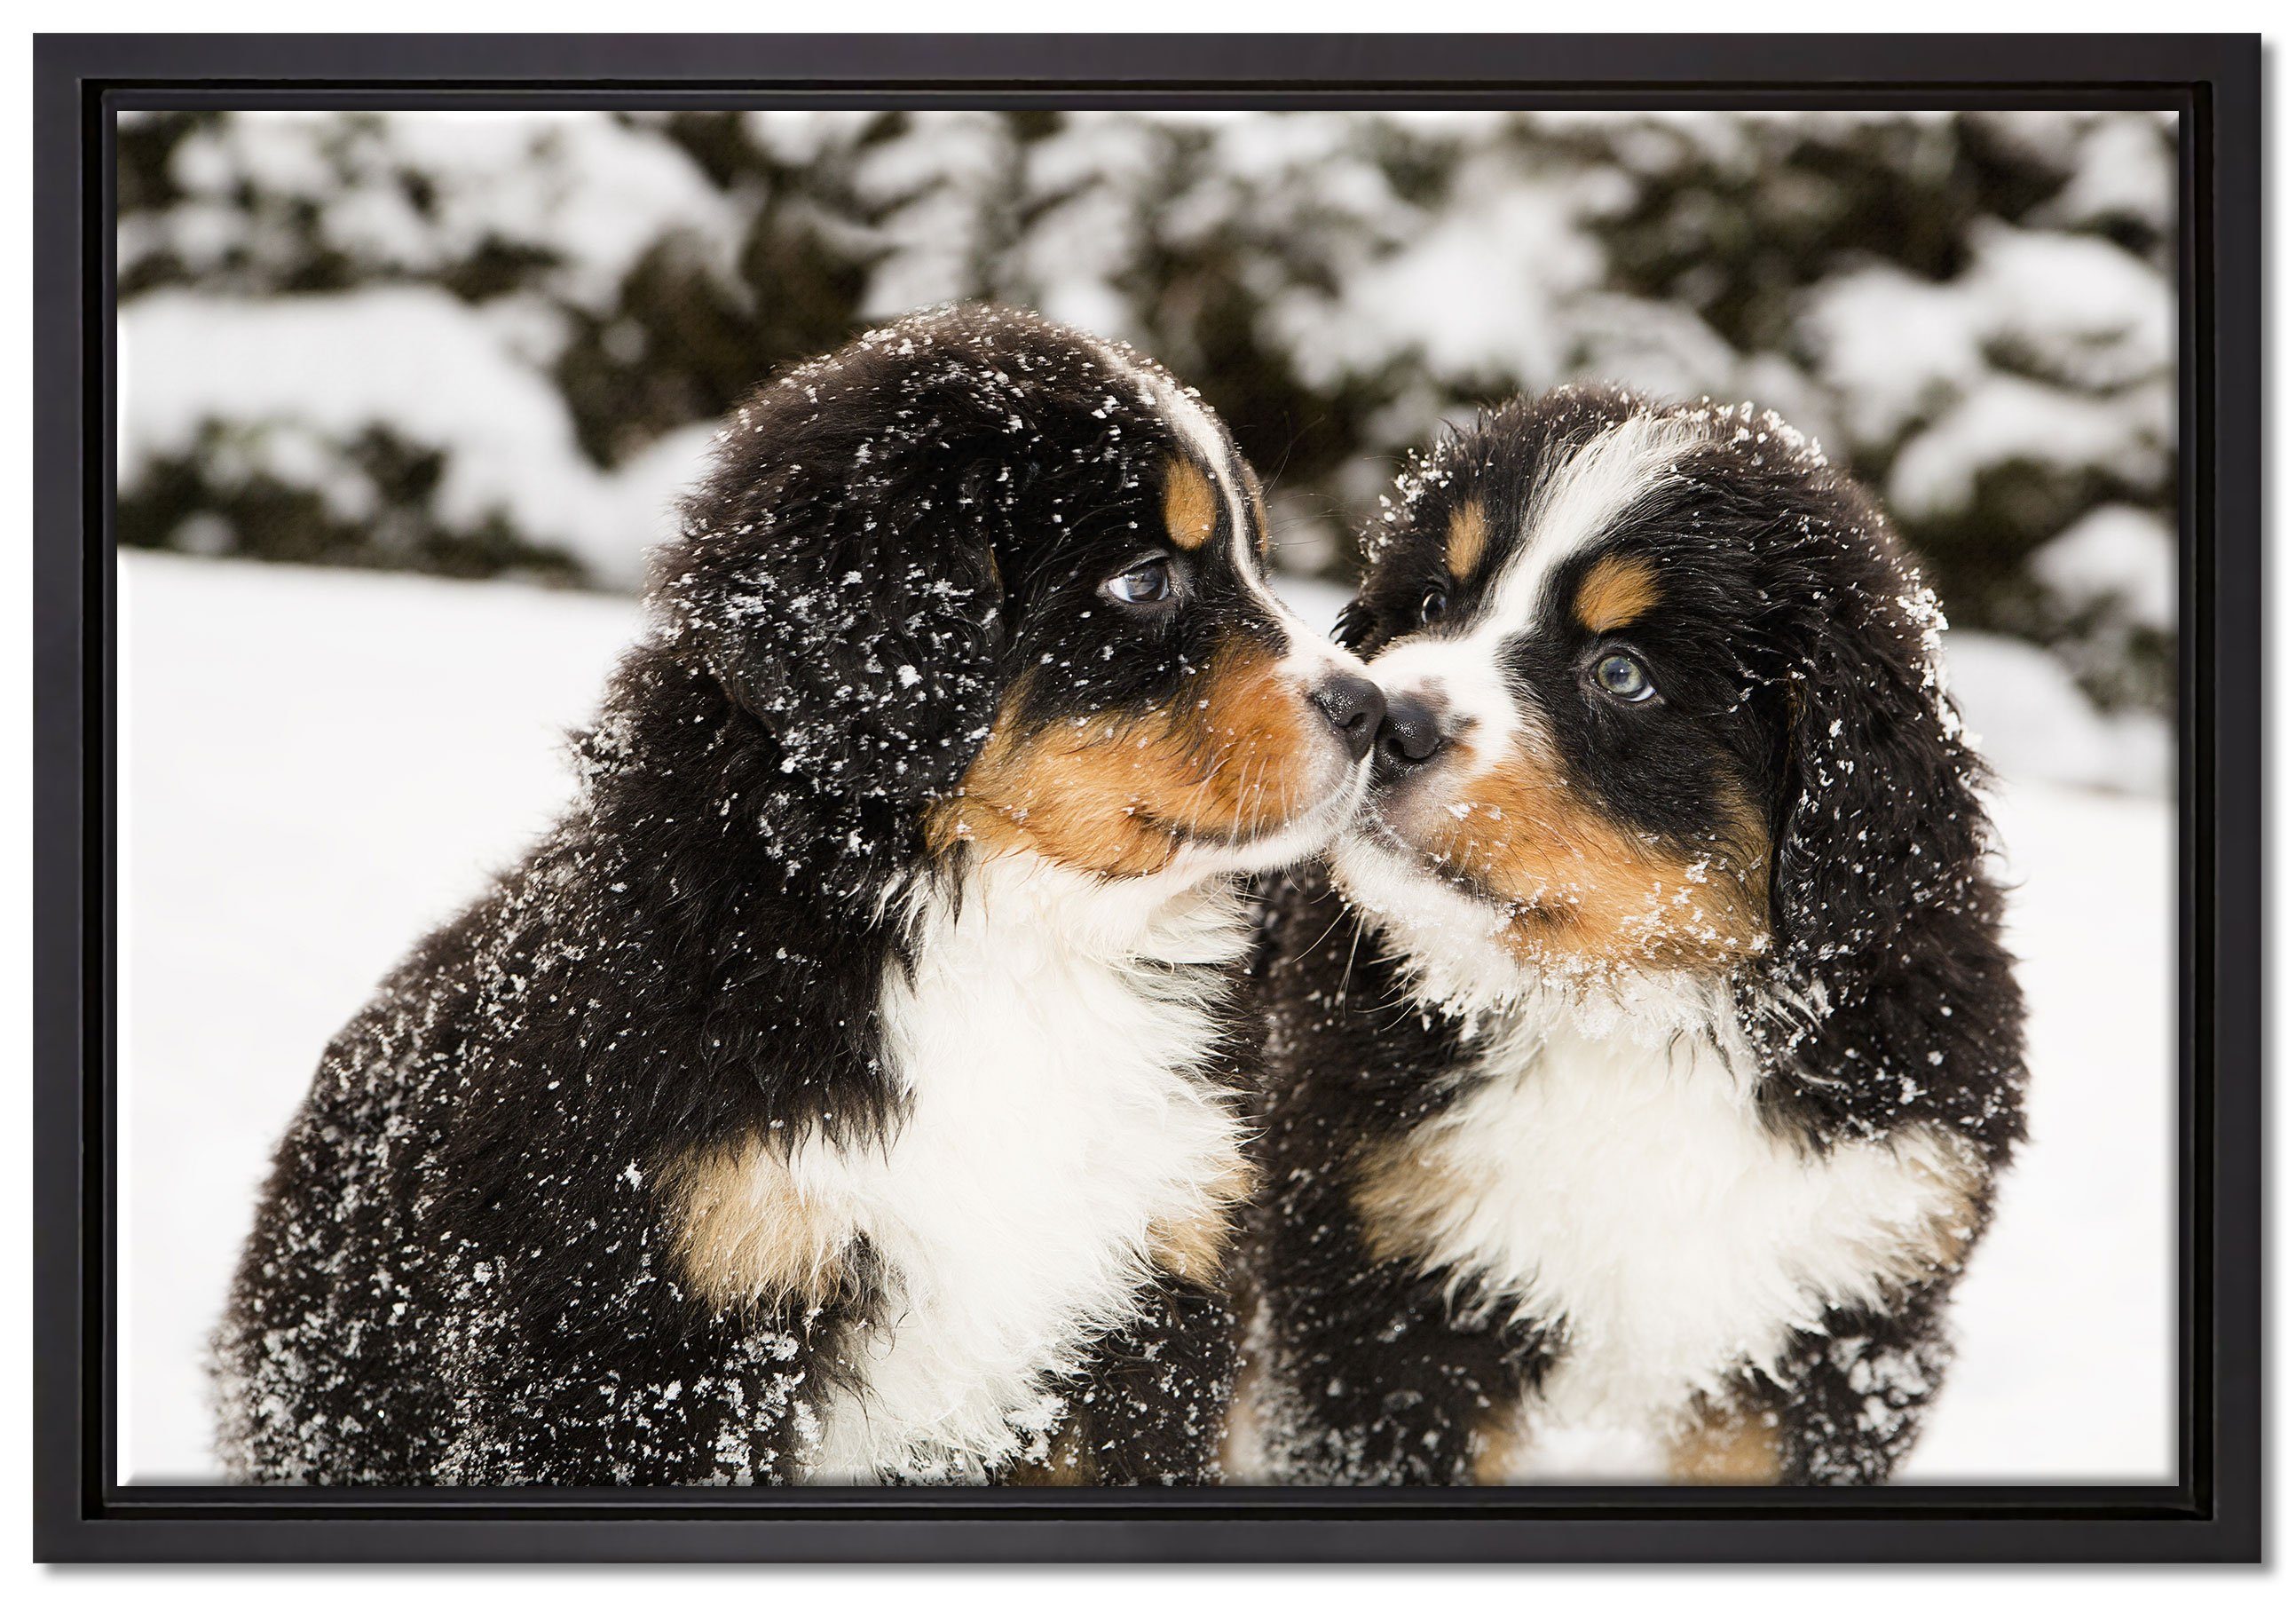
point(493, 344)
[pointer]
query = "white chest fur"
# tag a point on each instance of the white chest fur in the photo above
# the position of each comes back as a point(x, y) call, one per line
point(1055, 1112)
point(1622, 1189)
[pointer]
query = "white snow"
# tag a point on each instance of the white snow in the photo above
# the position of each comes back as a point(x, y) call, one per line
point(590, 192)
point(1893, 344)
point(2116, 553)
point(292, 371)
point(2031, 719)
point(2050, 347)
point(934, 226)
point(2127, 168)
point(1516, 240)
point(2066, 1320)
point(2006, 418)
point(2095, 311)
point(318, 765)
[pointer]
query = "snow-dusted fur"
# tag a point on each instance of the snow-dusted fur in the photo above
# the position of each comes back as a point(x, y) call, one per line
point(1623, 1185)
point(1051, 1047)
point(846, 1088)
point(1559, 1190)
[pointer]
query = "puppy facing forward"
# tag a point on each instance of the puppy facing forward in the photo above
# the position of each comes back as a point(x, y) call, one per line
point(842, 1090)
point(1636, 1097)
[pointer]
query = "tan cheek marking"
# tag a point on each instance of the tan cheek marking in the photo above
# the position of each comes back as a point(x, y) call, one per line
point(1071, 792)
point(1465, 542)
point(1726, 1448)
point(1259, 511)
point(1590, 894)
point(1617, 592)
point(1191, 504)
point(1112, 794)
point(746, 1236)
point(1252, 734)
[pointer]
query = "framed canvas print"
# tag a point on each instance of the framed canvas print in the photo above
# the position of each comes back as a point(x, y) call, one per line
point(1148, 798)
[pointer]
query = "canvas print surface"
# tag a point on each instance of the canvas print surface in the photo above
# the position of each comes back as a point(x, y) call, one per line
point(1093, 798)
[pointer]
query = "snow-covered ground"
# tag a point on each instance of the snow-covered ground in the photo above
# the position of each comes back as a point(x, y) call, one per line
point(317, 765)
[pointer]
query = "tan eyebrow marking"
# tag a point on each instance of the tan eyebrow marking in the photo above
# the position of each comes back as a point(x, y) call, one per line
point(1462, 546)
point(1191, 504)
point(1616, 592)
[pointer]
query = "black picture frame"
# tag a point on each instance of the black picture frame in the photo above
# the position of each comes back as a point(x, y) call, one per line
point(2213, 1513)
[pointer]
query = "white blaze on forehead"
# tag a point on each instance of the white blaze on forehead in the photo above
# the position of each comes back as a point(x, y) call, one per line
point(1576, 500)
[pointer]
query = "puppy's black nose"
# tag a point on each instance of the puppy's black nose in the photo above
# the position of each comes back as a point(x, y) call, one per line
point(1353, 704)
point(1412, 734)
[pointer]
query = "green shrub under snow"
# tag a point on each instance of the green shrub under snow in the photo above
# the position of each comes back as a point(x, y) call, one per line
point(490, 344)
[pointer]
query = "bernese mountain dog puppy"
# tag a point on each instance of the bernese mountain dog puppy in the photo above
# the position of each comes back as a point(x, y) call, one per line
point(1641, 1072)
point(845, 1089)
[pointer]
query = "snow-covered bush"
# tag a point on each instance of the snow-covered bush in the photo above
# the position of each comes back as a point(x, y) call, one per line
point(494, 342)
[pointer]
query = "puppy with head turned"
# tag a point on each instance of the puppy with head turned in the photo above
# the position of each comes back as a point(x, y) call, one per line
point(846, 1088)
point(1641, 1070)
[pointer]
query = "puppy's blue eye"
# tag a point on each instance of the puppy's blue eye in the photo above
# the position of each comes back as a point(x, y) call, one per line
point(1622, 675)
point(1150, 582)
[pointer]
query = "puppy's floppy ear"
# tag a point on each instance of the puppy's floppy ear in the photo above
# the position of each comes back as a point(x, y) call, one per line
point(1885, 985)
point(844, 589)
point(1875, 815)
